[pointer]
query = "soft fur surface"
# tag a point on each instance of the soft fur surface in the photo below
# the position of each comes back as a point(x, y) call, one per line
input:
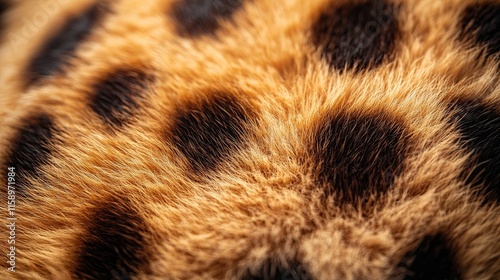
point(251, 139)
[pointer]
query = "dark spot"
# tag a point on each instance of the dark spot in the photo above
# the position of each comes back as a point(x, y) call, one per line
point(115, 98)
point(358, 155)
point(479, 126)
point(55, 54)
point(31, 148)
point(113, 244)
point(202, 17)
point(210, 131)
point(356, 35)
point(433, 259)
point(482, 23)
point(272, 271)
point(4, 5)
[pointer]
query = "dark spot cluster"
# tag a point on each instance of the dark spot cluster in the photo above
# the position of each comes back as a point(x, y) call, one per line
point(116, 97)
point(271, 270)
point(481, 22)
point(202, 17)
point(358, 155)
point(432, 259)
point(31, 148)
point(55, 54)
point(113, 244)
point(356, 35)
point(206, 133)
point(479, 127)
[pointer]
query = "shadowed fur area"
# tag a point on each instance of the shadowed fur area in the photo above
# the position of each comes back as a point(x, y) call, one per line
point(250, 139)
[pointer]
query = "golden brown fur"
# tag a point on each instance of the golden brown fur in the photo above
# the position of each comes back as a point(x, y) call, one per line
point(263, 203)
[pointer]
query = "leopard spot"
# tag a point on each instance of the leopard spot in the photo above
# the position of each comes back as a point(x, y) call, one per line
point(116, 97)
point(202, 17)
point(271, 270)
point(358, 155)
point(57, 51)
point(432, 259)
point(206, 133)
point(356, 35)
point(4, 5)
point(479, 128)
point(113, 243)
point(31, 148)
point(482, 23)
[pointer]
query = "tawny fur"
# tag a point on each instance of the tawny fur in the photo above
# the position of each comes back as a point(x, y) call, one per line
point(263, 202)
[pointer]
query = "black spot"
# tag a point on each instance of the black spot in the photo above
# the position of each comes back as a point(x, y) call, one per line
point(433, 259)
point(202, 17)
point(208, 132)
point(356, 35)
point(4, 5)
point(272, 271)
point(482, 23)
point(31, 148)
point(115, 98)
point(358, 155)
point(55, 54)
point(113, 245)
point(479, 126)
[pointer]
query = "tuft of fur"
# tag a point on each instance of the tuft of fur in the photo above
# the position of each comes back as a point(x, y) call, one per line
point(252, 139)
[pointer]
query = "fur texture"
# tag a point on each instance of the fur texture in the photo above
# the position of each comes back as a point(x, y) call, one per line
point(252, 139)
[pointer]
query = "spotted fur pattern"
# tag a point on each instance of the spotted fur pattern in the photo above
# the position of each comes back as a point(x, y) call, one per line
point(251, 139)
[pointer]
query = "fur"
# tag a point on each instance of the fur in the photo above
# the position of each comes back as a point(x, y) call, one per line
point(131, 201)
